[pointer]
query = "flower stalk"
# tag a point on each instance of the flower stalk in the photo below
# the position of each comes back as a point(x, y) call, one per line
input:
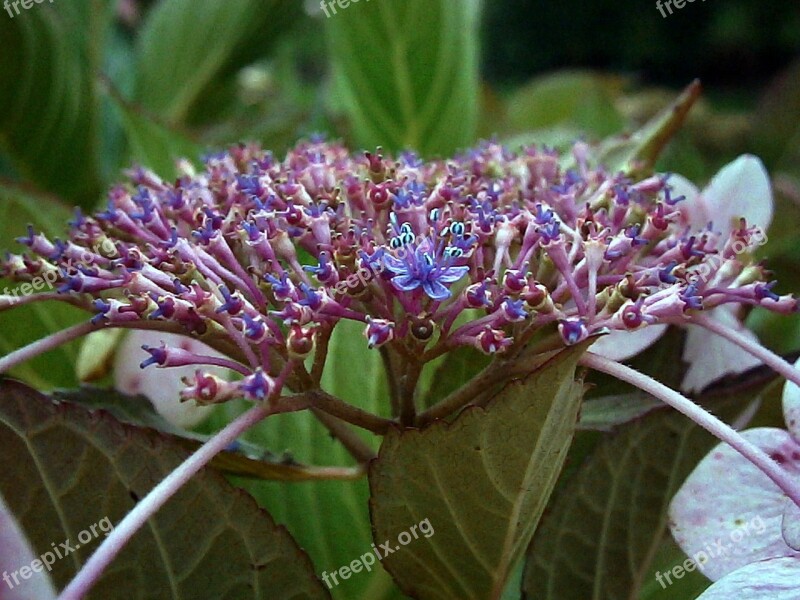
point(724, 432)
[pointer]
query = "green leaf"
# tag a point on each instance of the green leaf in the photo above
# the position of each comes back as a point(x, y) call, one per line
point(605, 534)
point(456, 367)
point(67, 470)
point(22, 325)
point(330, 519)
point(49, 118)
point(407, 72)
point(607, 412)
point(636, 154)
point(579, 99)
point(152, 143)
point(481, 481)
point(187, 49)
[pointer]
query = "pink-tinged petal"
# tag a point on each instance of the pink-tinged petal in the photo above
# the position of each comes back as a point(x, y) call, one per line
point(791, 407)
point(162, 386)
point(710, 356)
point(727, 513)
point(16, 552)
point(622, 345)
point(774, 579)
point(741, 189)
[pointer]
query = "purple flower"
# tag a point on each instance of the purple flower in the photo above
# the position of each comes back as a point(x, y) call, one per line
point(421, 267)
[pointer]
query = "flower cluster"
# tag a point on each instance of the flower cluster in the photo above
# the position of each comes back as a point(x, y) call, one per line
point(258, 256)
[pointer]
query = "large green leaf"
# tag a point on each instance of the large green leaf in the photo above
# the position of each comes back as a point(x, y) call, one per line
point(49, 118)
point(481, 481)
point(67, 469)
point(25, 324)
point(406, 72)
point(151, 143)
point(187, 50)
point(246, 460)
point(580, 99)
point(330, 519)
point(605, 535)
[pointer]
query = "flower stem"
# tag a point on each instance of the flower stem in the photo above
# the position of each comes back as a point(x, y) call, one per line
point(721, 430)
point(9, 361)
point(336, 407)
point(767, 356)
point(158, 496)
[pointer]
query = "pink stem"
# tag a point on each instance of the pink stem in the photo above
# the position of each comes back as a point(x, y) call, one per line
point(155, 499)
point(9, 361)
point(766, 356)
point(214, 361)
point(9, 302)
point(723, 431)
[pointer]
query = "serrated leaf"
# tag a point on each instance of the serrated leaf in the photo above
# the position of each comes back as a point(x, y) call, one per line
point(330, 519)
point(22, 325)
point(243, 459)
point(67, 469)
point(604, 528)
point(49, 119)
point(636, 154)
point(406, 72)
point(186, 47)
point(482, 481)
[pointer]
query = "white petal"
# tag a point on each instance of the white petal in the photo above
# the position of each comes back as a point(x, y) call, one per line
point(693, 211)
point(710, 356)
point(622, 345)
point(791, 407)
point(727, 513)
point(741, 189)
point(774, 579)
point(161, 386)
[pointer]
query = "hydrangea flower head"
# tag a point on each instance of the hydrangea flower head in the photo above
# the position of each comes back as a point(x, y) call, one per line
point(256, 256)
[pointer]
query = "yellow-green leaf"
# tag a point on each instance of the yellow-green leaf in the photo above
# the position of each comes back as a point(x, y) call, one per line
point(482, 481)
